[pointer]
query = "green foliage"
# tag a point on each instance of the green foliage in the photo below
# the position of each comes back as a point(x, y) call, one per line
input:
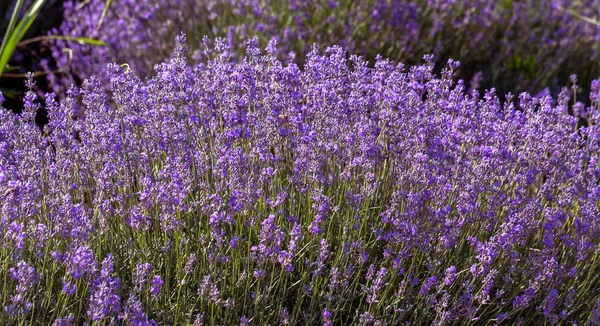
point(13, 35)
point(524, 65)
point(17, 29)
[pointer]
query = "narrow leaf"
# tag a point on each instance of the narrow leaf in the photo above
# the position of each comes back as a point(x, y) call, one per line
point(584, 18)
point(4, 54)
point(80, 40)
point(19, 32)
point(104, 11)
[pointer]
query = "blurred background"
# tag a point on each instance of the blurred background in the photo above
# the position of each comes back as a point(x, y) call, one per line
point(513, 46)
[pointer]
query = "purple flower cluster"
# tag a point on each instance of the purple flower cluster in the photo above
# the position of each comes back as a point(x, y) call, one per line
point(492, 39)
point(252, 191)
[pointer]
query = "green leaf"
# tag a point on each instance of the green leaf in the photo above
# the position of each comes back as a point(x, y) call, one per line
point(8, 93)
point(4, 54)
point(17, 34)
point(27, 20)
point(80, 40)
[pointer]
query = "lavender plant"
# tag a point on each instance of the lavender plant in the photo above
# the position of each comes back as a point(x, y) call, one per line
point(254, 192)
point(516, 45)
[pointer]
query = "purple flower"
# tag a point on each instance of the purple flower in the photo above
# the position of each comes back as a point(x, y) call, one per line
point(259, 274)
point(430, 283)
point(450, 275)
point(190, 264)
point(326, 317)
point(157, 283)
point(65, 321)
point(81, 262)
point(26, 278)
point(324, 182)
point(105, 303)
point(140, 276)
point(233, 243)
point(135, 315)
point(377, 284)
point(69, 288)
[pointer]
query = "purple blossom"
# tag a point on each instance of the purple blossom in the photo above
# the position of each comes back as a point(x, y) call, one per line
point(430, 283)
point(157, 283)
point(135, 315)
point(140, 276)
point(450, 275)
point(64, 321)
point(105, 303)
point(81, 262)
point(338, 183)
point(326, 317)
point(26, 278)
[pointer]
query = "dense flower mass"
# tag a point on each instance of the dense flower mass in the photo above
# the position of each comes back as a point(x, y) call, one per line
point(252, 192)
point(516, 45)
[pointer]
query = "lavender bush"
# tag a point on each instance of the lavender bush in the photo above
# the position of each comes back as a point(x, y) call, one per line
point(510, 45)
point(254, 192)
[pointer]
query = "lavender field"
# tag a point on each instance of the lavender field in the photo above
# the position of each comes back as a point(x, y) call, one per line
point(375, 162)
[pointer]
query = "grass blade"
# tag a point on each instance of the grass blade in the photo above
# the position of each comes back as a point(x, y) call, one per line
point(584, 18)
point(104, 11)
point(4, 54)
point(27, 20)
point(80, 40)
point(20, 31)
